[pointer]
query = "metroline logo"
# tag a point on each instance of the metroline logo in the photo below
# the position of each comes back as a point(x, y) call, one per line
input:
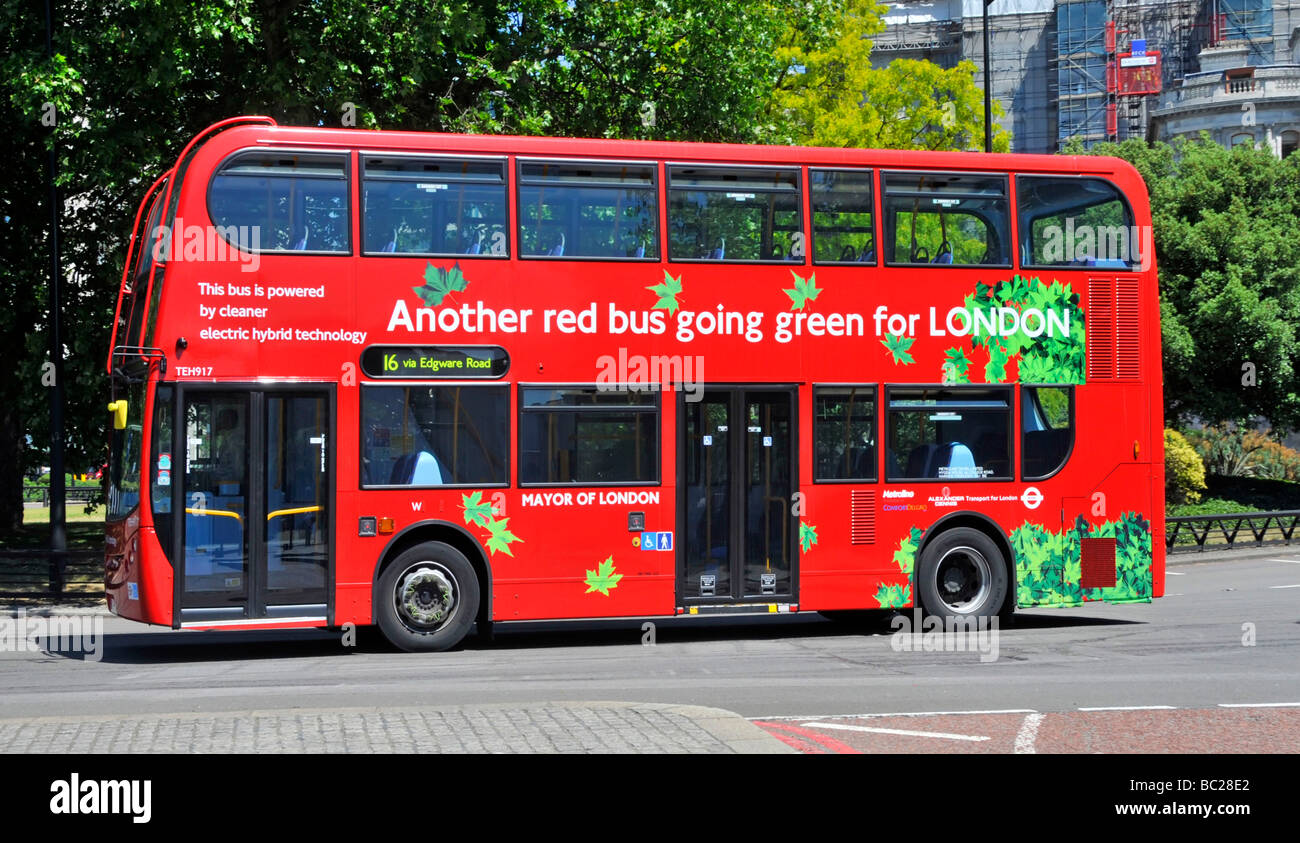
point(103, 796)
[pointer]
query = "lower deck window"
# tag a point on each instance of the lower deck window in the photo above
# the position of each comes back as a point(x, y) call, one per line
point(942, 433)
point(1047, 429)
point(434, 435)
point(588, 435)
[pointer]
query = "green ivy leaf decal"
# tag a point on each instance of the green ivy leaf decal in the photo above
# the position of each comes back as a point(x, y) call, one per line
point(803, 292)
point(898, 346)
point(996, 369)
point(476, 512)
point(955, 366)
point(807, 536)
point(439, 283)
point(499, 538)
point(896, 596)
point(603, 578)
point(667, 293)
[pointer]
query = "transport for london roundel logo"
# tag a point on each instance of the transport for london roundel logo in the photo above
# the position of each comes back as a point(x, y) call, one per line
point(1031, 497)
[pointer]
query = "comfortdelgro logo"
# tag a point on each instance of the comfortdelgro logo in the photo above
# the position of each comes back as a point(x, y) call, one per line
point(103, 796)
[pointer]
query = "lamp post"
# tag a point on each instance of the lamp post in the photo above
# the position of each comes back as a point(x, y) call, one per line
point(988, 94)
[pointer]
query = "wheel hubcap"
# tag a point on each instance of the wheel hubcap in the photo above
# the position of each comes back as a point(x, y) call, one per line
point(963, 580)
point(426, 596)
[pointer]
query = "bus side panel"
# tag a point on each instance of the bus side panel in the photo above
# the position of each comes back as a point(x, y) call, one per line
point(838, 569)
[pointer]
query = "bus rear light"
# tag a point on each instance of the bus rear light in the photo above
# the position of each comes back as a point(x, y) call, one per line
point(386, 526)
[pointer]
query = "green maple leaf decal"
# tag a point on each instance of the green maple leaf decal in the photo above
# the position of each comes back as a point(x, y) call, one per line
point(603, 578)
point(893, 596)
point(803, 292)
point(898, 346)
point(499, 537)
point(996, 369)
point(667, 293)
point(955, 366)
point(807, 536)
point(439, 283)
point(476, 512)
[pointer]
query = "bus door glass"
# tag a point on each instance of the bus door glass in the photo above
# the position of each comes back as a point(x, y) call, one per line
point(737, 531)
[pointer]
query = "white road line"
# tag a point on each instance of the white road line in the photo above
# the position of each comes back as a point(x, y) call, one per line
point(1131, 708)
point(893, 714)
point(1292, 561)
point(847, 728)
point(1284, 586)
point(1176, 573)
point(1028, 734)
point(1260, 705)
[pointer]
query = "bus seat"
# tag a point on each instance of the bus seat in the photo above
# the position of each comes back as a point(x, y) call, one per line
point(720, 252)
point(868, 256)
point(420, 469)
point(960, 458)
point(848, 253)
point(942, 257)
point(300, 245)
point(640, 251)
point(558, 250)
point(920, 461)
point(864, 464)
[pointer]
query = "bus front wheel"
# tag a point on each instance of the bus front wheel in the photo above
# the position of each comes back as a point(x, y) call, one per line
point(427, 598)
point(962, 574)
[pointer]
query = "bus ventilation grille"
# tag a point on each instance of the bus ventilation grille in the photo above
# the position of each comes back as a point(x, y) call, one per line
point(1097, 563)
point(1113, 329)
point(862, 526)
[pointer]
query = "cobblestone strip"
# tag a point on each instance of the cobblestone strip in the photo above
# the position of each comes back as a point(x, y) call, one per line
point(585, 727)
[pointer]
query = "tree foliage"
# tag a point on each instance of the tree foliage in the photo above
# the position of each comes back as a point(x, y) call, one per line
point(840, 99)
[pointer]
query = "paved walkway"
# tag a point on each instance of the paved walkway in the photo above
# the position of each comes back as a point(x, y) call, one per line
point(572, 727)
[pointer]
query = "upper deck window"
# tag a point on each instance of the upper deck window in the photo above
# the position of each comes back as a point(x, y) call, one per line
point(946, 218)
point(273, 201)
point(734, 214)
point(842, 216)
point(434, 206)
point(579, 209)
point(1076, 222)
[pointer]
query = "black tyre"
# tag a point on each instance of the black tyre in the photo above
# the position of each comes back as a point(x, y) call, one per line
point(427, 598)
point(962, 574)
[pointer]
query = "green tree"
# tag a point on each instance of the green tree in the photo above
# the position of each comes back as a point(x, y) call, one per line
point(839, 99)
point(1229, 261)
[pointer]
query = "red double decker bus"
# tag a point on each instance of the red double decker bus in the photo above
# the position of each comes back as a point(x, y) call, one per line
point(426, 381)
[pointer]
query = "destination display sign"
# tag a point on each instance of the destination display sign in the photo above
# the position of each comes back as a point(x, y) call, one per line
point(435, 361)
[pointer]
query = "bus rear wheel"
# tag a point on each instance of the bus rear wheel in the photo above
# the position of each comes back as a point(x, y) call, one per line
point(962, 574)
point(427, 598)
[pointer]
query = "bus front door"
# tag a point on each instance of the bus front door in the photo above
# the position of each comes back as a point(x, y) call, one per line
point(257, 485)
point(737, 533)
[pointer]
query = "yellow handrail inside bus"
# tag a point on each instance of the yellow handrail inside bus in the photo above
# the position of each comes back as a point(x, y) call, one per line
point(227, 513)
point(298, 510)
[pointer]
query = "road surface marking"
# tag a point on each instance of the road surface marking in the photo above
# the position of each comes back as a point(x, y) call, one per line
point(1176, 573)
point(1260, 705)
point(874, 729)
point(894, 714)
point(1130, 708)
point(1028, 734)
point(826, 742)
point(1292, 561)
point(1284, 586)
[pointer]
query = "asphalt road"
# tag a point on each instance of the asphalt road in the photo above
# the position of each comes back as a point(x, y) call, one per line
point(1226, 637)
